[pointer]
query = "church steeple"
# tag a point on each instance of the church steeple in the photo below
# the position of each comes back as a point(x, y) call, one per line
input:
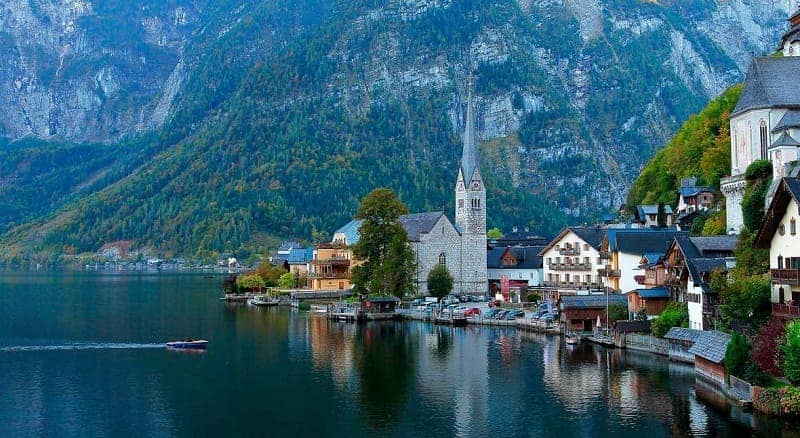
point(469, 155)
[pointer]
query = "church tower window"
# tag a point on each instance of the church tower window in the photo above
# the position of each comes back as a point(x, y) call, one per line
point(763, 138)
point(442, 259)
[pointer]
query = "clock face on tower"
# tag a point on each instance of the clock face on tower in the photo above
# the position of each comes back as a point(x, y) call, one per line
point(476, 185)
point(460, 186)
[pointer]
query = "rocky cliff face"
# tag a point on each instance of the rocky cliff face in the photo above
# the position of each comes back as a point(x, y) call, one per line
point(90, 70)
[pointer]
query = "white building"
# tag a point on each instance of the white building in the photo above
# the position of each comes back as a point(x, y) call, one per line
point(625, 249)
point(571, 261)
point(700, 299)
point(780, 235)
point(520, 265)
point(765, 124)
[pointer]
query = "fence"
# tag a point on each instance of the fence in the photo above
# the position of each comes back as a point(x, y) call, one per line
point(646, 343)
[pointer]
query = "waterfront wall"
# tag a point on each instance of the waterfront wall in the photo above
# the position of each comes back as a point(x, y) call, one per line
point(647, 343)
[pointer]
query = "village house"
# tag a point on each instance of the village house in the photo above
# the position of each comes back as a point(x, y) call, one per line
point(647, 215)
point(692, 198)
point(572, 260)
point(691, 261)
point(521, 266)
point(779, 234)
point(655, 270)
point(624, 248)
point(709, 356)
point(580, 313)
point(330, 267)
point(651, 300)
point(765, 124)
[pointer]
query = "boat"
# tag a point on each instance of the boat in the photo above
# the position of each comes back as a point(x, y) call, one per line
point(572, 338)
point(263, 301)
point(188, 344)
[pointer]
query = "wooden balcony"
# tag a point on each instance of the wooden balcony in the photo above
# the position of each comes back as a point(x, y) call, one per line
point(570, 266)
point(569, 251)
point(785, 310)
point(333, 261)
point(785, 276)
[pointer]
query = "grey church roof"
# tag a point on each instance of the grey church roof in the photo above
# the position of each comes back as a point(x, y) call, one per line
point(789, 120)
point(469, 155)
point(419, 223)
point(711, 345)
point(784, 140)
point(414, 224)
point(770, 82)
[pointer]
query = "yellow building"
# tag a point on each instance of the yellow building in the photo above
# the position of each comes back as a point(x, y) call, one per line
point(330, 267)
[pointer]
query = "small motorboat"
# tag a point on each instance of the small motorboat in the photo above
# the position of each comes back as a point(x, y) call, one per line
point(188, 344)
point(263, 301)
point(572, 338)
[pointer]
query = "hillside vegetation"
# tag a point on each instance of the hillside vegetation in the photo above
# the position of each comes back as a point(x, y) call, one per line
point(700, 148)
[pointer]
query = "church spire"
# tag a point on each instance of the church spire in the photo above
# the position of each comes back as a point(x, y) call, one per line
point(469, 156)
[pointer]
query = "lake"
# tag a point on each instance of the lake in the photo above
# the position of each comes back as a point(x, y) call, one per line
point(81, 355)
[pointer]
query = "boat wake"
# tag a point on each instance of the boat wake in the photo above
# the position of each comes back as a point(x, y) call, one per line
point(81, 346)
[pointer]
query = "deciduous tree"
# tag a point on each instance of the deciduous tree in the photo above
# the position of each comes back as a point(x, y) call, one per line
point(440, 282)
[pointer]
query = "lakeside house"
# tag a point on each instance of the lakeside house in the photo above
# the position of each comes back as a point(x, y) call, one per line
point(651, 300)
point(520, 266)
point(330, 267)
point(572, 259)
point(680, 341)
point(624, 249)
point(691, 261)
point(779, 234)
point(709, 356)
point(580, 313)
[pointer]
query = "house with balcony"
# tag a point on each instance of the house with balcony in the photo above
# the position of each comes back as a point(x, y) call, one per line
point(650, 300)
point(779, 234)
point(623, 249)
point(330, 267)
point(571, 261)
point(655, 271)
point(690, 262)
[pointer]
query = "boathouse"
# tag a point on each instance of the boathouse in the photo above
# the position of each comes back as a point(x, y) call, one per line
point(709, 356)
point(580, 313)
point(380, 307)
point(680, 341)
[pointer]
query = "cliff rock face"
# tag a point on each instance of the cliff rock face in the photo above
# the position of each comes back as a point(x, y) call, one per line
point(90, 70)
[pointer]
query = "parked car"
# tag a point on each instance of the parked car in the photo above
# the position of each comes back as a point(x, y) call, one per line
point(501, 314)
point(472, 312)
point(491, 313)
point(514, 314)
point(547, 317)
point(495, 303)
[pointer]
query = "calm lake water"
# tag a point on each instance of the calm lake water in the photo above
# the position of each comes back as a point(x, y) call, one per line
point(80, 355)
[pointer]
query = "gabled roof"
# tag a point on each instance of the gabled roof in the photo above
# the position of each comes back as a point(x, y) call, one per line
point(686, 246)
point(419, 223)
point(414, 224)
point(789, 120)
point(694, 190)
point(640, 241)
point(784, 140)
point(651, 258)
point(301, 255)
point(788, 189)
point(771, 81)
point(591, 301)
point(653, 292)
point(706, 244)
point(711, 345)
point(527, 257)
point(699, 267)
point(683, 334)
point(652, 209)
point(591, 235)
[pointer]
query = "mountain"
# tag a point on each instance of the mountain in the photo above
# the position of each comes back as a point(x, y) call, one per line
point(224, 124)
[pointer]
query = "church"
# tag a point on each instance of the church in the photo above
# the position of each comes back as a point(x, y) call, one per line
point(460, 246)
point(765, 124)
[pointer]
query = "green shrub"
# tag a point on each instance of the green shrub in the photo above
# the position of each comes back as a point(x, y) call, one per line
point(674, 315)
point(737, 355)
point(532, 298)
point(791, 353)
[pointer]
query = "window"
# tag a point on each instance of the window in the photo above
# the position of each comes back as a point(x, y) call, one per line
point(735, 147)
point(460, 203)
point(792, 227)
point(442, 259)
point(476, 185)
point(476, 203)
point(781, 229)
point(586, 260)
point(549, 260)
point(763, 137)
point(586, 247)
point(780, 262)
